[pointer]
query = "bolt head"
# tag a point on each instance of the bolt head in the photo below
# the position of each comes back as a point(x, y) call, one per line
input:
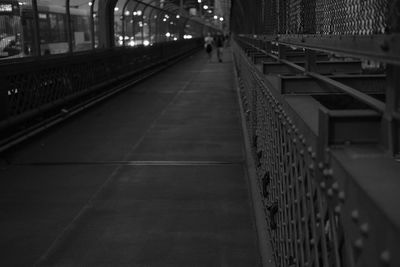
point(342, 196)
point(364, 229)
point(355, 215)
point(338, 209)
point(385, 257)
point(359, 244)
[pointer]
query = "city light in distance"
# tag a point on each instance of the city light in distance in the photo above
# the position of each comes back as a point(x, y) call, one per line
point(221, 19)
point(205, 7)
point(168, 34)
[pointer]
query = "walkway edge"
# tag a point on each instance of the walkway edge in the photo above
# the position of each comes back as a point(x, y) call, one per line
point(265, 247)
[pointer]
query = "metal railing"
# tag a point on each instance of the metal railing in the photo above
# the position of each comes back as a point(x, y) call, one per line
point(321, 208)
point(35, 89)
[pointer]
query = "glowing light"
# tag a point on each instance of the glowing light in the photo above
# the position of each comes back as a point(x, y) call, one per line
point(131, 43)
point(177, 16)
point(221, 19)
point(175, 39)
point(187, 36)
point(116, 9)
point(146, 43)
point(168, 34)
point(215, 17)
point(139, 12)
point(205, 7)
point(127, 13)
point(164, 20)
point(199, 1)
point(134, 13)
point(90, 4)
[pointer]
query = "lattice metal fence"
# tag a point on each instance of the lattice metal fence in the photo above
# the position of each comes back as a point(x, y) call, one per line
point(302, 216)
point(312, 208)
point(52, 83)
point(327, 17)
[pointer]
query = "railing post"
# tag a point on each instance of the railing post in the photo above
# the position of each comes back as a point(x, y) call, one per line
point(36, 30)
point(391, 125)
point(3, 98)
point(311, 60)
point(69, 27)
point(92, 32)
point(282, 51)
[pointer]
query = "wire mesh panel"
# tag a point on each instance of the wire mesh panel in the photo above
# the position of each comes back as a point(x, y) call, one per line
point(52, 83)
point(350, 17)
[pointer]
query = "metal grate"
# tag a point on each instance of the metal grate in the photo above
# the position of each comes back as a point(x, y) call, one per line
point(350, 17)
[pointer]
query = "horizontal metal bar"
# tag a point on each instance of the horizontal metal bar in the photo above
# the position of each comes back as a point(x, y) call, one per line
point(369, 100)
point(379, 47)
point(135, 163)
point(323, 67)
point(300, 84)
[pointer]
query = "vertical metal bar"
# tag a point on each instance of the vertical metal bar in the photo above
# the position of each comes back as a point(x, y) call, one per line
point(69, 26)
point(124, 22)
point(311, 60)
point(92, 33)
point(282, 49)
point(134, 21)
point(36, 29)
point(391, 125)
point(150, 21)
point(4, 98)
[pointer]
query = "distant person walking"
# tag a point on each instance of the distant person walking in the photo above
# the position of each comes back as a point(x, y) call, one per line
point(219, 41)
point(208, 45)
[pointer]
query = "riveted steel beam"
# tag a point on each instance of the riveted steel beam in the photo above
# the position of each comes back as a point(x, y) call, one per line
point(323, 67)
point(302, 84)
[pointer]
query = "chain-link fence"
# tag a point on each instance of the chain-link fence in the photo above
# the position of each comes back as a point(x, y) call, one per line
point(327, 17)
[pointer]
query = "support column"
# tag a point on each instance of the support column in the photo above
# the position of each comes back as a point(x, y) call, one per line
point(106, 23)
